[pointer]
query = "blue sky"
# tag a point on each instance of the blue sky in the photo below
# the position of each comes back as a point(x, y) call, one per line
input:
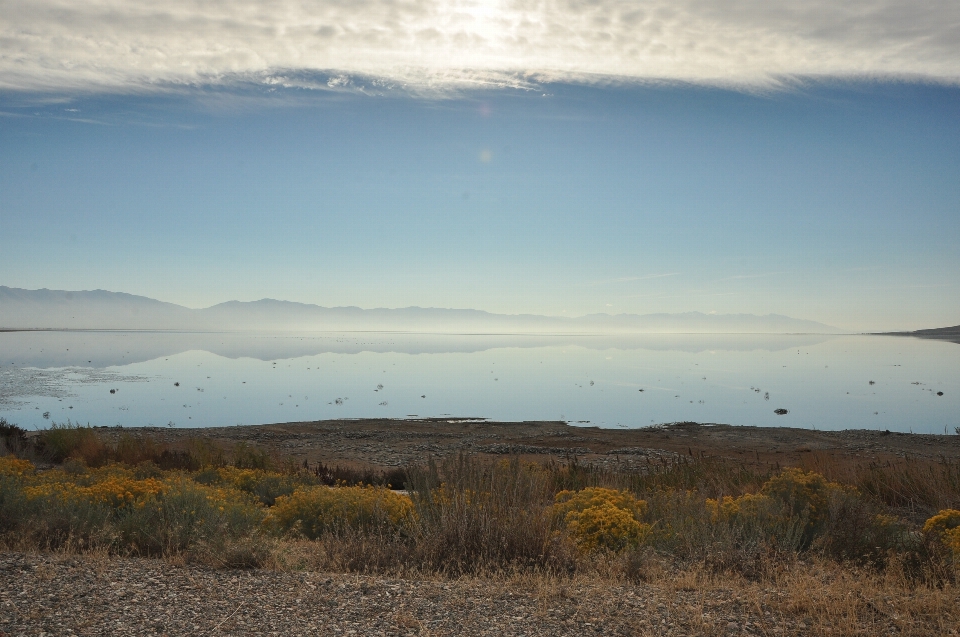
point(759, 188)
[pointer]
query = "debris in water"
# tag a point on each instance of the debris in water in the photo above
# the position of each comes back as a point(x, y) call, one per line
point(780, 412)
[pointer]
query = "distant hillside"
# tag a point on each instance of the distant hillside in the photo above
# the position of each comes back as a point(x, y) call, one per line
point(941, 333)
point(99, 309)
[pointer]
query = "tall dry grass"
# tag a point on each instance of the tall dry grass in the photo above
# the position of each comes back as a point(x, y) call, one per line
point(914, 487)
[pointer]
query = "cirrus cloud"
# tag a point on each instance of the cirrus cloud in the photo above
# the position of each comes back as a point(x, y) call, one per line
point(57, 45)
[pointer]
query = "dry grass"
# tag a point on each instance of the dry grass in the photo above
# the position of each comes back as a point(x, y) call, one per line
point(915, 487)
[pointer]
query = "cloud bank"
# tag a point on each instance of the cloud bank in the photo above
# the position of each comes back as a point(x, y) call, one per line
point(132, 45)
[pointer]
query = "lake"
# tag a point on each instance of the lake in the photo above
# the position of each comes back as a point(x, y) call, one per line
point(218, 379)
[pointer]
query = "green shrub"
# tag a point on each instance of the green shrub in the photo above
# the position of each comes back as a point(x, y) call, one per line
point(62, 441)
point(12, 438)
point(247, 457)
point(732, 534)
point(185, 515)
point(267, 486)
point(854, 528)
point(804, 496)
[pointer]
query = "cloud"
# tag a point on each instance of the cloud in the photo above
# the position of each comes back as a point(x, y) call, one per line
point(438, 45)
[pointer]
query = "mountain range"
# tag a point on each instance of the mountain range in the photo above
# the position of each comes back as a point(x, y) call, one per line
point(103, 310)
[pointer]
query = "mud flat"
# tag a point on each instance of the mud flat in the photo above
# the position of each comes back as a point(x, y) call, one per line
point(393, 443)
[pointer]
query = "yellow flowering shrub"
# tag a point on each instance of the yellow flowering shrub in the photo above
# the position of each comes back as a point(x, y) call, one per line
point(11, 466)
point(243, 479)
point(599, 518)
point(114, 486)
point(806, 493)
point(314, 511)
point(730, 508)
point(265, 485)
point(946, 526)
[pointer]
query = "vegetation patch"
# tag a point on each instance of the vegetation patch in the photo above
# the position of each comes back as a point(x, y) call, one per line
point(68, 488)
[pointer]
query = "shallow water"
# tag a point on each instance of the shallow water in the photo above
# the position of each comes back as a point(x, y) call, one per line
point(231, 379)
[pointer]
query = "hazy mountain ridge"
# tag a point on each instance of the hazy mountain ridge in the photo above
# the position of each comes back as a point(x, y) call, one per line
point(100, 309)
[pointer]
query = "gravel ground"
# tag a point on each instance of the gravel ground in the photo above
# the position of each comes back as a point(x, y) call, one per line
point(43, 594)
point(47, 594)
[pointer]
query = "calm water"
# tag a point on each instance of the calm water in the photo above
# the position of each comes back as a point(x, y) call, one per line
point(230, 379)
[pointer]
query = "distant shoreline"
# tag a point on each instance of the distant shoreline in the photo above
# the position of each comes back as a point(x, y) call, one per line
point(425, 333)
point(951, 334)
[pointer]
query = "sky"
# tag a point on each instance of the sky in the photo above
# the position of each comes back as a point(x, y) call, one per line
point(559, 158)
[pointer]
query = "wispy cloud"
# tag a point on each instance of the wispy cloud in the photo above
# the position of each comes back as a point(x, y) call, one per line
point(436, 45)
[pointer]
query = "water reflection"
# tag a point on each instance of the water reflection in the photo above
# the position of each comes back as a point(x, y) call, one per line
point(108, 349)
point(190, 379)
